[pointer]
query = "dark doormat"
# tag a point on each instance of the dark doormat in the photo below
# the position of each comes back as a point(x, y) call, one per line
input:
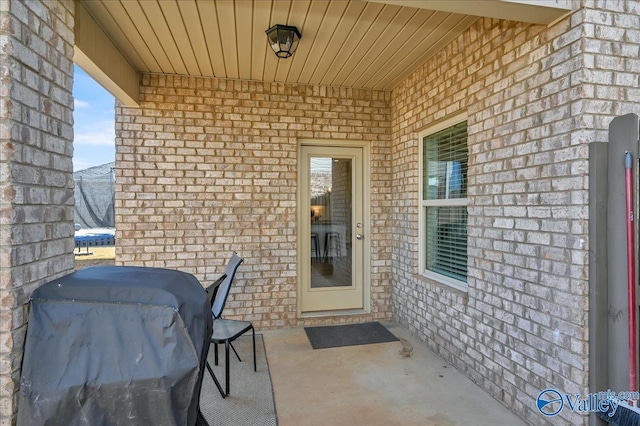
point(333, 336)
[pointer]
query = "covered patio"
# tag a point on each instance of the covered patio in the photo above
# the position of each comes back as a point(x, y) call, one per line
point(381, 384)
point(212, 130)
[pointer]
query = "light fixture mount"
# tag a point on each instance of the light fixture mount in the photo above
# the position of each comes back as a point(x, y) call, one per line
point(283, 39)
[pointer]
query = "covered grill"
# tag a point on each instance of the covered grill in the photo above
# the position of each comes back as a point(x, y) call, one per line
point(115, 345)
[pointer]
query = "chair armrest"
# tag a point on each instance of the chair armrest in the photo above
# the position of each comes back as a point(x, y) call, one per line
point(213, 288)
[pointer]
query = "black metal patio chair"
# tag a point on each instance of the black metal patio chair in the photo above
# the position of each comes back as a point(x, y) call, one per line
point(212, 290)
point(225, 331)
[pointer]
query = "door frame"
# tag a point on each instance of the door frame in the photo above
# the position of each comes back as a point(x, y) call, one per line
point(303, 241)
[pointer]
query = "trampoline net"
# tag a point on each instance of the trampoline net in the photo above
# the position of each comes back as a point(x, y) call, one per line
point(95, 196)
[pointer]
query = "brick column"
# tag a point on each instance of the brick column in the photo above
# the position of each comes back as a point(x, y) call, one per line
point(36, 183)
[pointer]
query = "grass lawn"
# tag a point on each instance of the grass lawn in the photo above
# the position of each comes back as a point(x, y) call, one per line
point(102, 255)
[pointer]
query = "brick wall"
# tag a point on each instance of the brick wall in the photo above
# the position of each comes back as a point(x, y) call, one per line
point(611, 58)
point(535, 96)
point(36, 185)
point(206, 166)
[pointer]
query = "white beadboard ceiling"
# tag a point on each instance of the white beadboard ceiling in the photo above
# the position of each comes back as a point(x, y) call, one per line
point(350, 43)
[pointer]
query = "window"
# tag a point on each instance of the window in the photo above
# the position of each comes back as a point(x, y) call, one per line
point(443, 210)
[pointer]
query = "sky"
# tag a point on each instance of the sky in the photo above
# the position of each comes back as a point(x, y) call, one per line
point(94, 123)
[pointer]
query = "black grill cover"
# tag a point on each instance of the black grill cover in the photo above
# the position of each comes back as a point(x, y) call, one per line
point(115, 345)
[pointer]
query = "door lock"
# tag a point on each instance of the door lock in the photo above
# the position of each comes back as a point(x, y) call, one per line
point(359, 236)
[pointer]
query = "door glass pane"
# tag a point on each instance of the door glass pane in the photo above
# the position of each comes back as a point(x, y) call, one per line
point(331, 206)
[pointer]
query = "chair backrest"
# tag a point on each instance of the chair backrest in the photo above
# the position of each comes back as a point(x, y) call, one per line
point(213, 289)
point(223, 290)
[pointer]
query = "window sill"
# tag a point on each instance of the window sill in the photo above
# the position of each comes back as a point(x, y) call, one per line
point(457, 289)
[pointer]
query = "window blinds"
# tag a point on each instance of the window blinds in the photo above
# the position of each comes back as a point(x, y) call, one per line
point(445, 163)
point(444, 200)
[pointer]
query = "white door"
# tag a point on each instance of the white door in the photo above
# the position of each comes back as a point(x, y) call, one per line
point(331, 234)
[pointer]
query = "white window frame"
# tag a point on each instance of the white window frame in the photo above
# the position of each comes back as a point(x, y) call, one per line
point(422, 229)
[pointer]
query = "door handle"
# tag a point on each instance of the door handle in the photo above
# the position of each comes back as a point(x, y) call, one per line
point(359, 236)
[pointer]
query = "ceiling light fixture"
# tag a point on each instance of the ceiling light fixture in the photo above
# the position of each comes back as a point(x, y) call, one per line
point(283, 39)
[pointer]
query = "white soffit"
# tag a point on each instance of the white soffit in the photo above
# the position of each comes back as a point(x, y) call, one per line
point(350, 43)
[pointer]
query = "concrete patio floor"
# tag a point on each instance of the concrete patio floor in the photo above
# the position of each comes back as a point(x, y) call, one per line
point(373, 385)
